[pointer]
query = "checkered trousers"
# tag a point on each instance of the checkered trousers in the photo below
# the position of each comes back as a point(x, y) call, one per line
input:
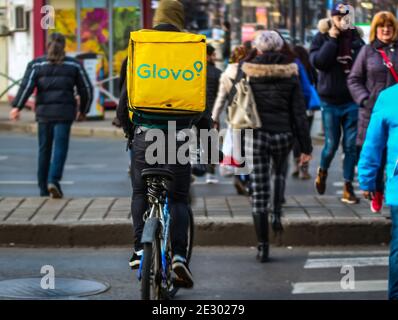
point(263, 151)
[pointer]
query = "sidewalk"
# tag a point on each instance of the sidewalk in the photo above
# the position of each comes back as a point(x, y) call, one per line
point(91, 128)
point(219, 221)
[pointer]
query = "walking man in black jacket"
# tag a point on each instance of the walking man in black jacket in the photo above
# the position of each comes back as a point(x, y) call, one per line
point(333, 52)
point(55, 77)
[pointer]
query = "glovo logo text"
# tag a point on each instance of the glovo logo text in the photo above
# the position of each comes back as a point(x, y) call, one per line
point(146, 71)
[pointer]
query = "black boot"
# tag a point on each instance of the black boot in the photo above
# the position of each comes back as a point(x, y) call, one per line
point(277, 226)
point(279, 195)
point(261, 227)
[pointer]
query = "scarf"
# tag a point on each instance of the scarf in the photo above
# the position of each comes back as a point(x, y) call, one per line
point(344, 55)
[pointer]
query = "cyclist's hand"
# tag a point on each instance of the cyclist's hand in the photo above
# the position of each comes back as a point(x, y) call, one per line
point(15, 114)
point(369, 195)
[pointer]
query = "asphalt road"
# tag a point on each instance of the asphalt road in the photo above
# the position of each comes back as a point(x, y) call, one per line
point(98, 168)
point(220, 272)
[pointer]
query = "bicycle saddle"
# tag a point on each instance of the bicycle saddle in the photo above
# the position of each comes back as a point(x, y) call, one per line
point(157, 172)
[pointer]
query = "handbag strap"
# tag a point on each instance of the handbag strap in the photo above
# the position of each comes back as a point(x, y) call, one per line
point(389, 64)
point(239, 75)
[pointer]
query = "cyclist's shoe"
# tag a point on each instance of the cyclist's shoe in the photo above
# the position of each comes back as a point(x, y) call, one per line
point(135, 260)
point(184, 276)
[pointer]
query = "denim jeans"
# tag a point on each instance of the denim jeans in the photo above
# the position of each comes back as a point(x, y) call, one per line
point(178, 193)
point(393, 263)
point(52, 135)
point(335, 120)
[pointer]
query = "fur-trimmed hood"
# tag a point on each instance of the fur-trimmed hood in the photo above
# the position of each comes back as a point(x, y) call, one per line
point(270, 70)
point(324, 26)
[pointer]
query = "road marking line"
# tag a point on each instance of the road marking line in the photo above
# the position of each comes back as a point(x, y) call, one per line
point(348, 253)
point(31, 182)
point(341, 184)
point(335, 287)
point(85, 166)
point(339, 262)
point(3, 158)
point(201, 183)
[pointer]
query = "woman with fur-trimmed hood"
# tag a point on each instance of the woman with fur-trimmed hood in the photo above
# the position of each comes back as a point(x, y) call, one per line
point(280, 104)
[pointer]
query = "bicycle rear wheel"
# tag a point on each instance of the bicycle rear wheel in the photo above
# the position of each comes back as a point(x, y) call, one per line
point(151, 274)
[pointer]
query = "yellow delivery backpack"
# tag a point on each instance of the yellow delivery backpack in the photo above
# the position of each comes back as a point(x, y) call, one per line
point(166, 72)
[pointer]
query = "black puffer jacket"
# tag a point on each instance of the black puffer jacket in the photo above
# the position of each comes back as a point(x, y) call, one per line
point(55, 83)
point(278, 95)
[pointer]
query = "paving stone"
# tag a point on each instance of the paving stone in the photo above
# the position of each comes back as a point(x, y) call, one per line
point(307, 201)
point(50, 210)
point(73, 210)
point(7, 205)
point(98, 209)
point(27, 209)
point(120, 209)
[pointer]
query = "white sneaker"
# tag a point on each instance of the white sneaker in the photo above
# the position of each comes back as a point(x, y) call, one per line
point(211, 179)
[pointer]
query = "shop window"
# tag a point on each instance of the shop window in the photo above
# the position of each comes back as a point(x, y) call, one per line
point(126, 18)
point(66, 22)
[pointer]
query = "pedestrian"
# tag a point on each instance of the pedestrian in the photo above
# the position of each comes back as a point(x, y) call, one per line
point(381, 137)
point(369, 76)
point(227, 80)
point(280, 180)
point(273, 78)
point(332, 53)
point(212, 85)
point(55, 77)
point(169, 17)
point(226, 48)
point(308, 78)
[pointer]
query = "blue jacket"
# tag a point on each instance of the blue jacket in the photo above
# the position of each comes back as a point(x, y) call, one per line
point(382, 132)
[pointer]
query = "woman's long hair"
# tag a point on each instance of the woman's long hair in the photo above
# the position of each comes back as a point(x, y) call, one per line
point(56, 48)
point(380, 19)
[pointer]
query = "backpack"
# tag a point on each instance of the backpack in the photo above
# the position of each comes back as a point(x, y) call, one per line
point(166, 73)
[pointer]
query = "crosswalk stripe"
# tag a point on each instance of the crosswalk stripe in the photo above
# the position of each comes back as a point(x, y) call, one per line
point(341, 184)
point(348, 253)
point(31, 182)
point(335, 287)
point(339, 262)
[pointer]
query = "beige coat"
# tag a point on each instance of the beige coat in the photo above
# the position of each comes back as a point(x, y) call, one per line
point(226, 83)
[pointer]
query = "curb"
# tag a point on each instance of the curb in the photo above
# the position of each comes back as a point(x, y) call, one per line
point(208, 232)
point(76, 131)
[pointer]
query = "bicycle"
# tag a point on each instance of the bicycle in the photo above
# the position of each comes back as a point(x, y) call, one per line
point(155, 272)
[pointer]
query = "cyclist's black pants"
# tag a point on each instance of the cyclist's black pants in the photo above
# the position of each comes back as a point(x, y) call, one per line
point(177, 194)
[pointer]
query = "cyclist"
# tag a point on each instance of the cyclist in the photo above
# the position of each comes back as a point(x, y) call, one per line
point(168, 17)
